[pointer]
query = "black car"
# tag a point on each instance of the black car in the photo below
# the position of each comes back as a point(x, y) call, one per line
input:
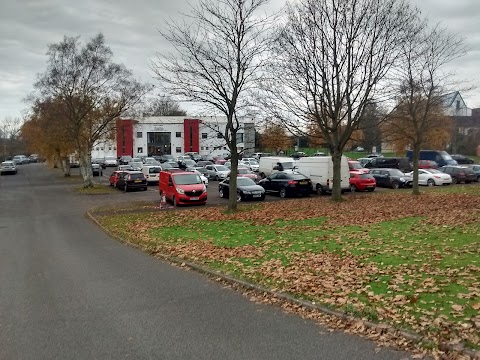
point(203, 163)
point(167, 158)
point(476, 170)
point(124, 160)
point(392, 178)
point(287, 184)
point(96, 170)
point(100, 162)
point(400, 163)
point(246, 189)
point(132, 180)
point(459, 173)
point(462, 159)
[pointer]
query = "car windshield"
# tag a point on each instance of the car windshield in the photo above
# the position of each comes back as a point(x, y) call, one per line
point(136, 176)
point(253, 162)
point(243, 181)
point(202, 170)
point(136, 164)
point(288, 165)
point(187, 179)
point(221, 168)
point(396, 173)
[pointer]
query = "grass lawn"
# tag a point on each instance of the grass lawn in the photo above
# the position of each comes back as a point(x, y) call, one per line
point(97, 189)
point(412, 262)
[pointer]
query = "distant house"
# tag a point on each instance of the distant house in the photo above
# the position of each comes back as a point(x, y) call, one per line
point(455, 105)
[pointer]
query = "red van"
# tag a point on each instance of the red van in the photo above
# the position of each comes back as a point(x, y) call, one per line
point(182, 188)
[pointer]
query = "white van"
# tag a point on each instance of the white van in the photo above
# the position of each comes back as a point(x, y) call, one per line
point(270, 164)
point(320, 170)
point(151, 173)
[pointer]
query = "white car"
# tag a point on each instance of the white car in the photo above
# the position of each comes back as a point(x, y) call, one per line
point(8, 167)
point(251, 163)
point(204, 179)
point(217, 172)
point(432, 177)
point(111, 161)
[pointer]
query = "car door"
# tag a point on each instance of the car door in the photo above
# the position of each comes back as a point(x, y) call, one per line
point(422, 177)
point(267, 183)
point(382, 178)
point(279, 181)
point(209, 170)
point(225, 184)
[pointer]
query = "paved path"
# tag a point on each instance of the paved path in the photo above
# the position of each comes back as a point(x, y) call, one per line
point(68, 291)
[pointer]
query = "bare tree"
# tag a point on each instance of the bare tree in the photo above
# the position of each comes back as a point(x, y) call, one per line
point(422, 81)
point(218, 58)
point(93, 92)
point(164, 106)
point(331, 59)
point(9, 132)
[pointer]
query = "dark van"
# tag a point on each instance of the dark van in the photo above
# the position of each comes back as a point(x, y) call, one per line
point(442, 158)
point(400, 163)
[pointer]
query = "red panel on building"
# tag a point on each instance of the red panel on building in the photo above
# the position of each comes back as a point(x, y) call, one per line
point(191, 135)
point(125, 136)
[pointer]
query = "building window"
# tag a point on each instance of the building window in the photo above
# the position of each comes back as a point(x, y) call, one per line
point(97, 148)
point(109, 148)
point(206, 147)
point(219, 135)
point(178, 150)
point(178, 134)
point(202, 148)
point(114, 148)
point(140, 150)
point(204, 135)
point(239, 138)
point(102, 148)
point(139, 135)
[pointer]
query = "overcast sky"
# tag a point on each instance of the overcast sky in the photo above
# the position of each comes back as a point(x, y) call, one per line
point(130, 28)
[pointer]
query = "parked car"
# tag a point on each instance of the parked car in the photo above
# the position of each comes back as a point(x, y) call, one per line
point(194, 156)
point(287, 184)
point(361, 182)
point(136, 165)
point(185, 164)
point(392, 178)
point(217, 172)
point(20, 160)
point(125, 168)
point(152, 173)
point(149, 160)
point(427, 164)
point(245, 172)
point(252, 163)
point(476, 170)
point(442, 158)
point(459, 173)
point(111, 161)
point(97, 170)
point(8, 167)
point(319, 153)
point(203, 163)
point(363, 161)
point(432, 177)
point(400, 163)
point(114, 176)
point(172, 164)
point(34, 158)
point(202, 176)
point(100, 162)
point(298, 155)
point(129, 180)
point(462, 159)
point(247, 189)
point(357, 166)
point(124, 160)
point(374, 155)
point(182, 188)
point(166, 158)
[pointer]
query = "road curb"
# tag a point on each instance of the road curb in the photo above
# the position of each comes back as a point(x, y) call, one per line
point(378, 327)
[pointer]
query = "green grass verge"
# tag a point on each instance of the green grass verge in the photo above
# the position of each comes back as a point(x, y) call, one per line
point(97, 189)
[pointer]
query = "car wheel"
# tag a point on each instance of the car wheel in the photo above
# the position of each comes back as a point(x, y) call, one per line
point(353, 188)
point(283, 193)
point(454, 180)
point(216, 177)
point(145, 188)
point(262, 175)
point(320, 190)
point(221, 193)
point(370, 190)
point(239, 197)
point(262, 198)
point(395, 185)
point(430, 182)
point(174, 200)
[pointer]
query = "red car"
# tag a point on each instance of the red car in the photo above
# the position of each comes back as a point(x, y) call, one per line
point(356, 166)
point(361, 182)
point(114, 177)
point(244, 172)
point(427, 164)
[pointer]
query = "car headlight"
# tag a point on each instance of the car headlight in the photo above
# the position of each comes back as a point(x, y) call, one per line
point(247, 192)
point(402, 179)
point(180, 191)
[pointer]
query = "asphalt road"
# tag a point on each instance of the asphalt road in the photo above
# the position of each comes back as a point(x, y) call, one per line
point(68, 291)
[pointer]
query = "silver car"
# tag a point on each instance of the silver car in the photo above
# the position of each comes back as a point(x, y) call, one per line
point(8, 167)
point(217, 172)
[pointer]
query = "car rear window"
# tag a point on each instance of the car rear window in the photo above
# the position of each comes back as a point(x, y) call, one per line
point(297, 177)
point(245, 181)
point(366, 176)
point(137, 176)
point(155, 170)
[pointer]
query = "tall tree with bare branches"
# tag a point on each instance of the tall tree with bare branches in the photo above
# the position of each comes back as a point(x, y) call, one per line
point(93, 92)
point(422, 80)
point(219, 54)
point(331, 59)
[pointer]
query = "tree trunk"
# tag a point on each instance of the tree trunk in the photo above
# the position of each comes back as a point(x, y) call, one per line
point(415, 158)
point(232, 199)
point(337, 176)
point(65, 167)
point(86, 169)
